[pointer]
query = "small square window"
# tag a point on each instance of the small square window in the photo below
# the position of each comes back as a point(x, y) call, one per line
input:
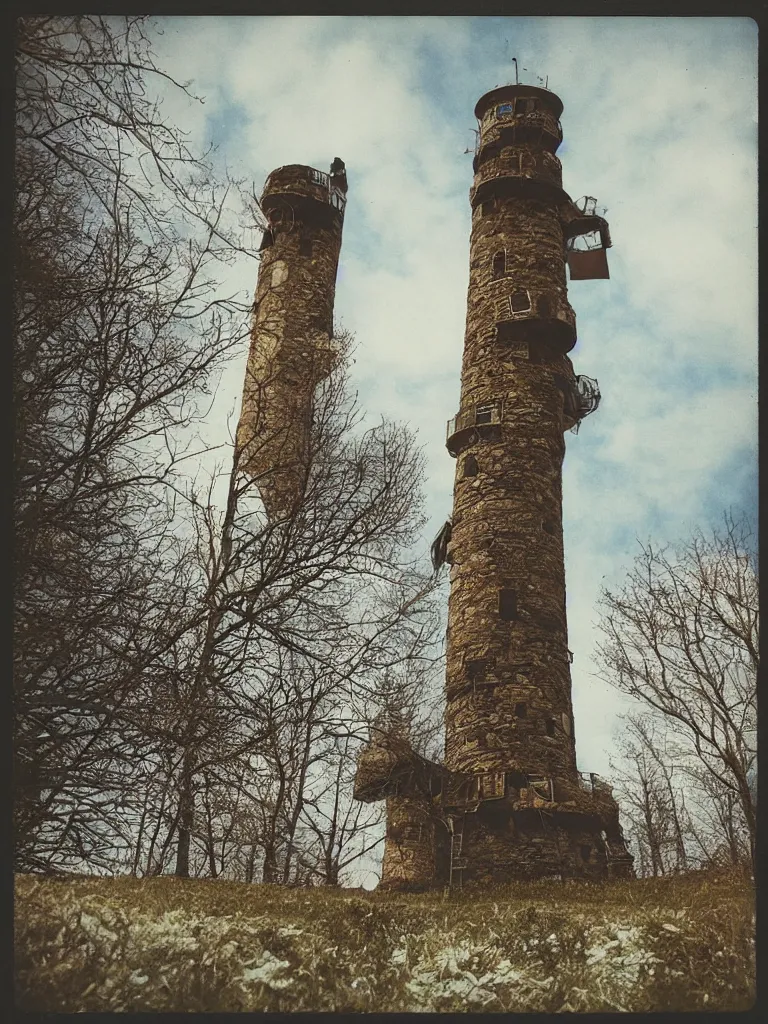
point(488, 413)
point(521, 709)
point(550, 726)
point(488, 207)
point(507, 604)
point(476, 668)
point(504, 108)
point(471, 467)
point(520, 302)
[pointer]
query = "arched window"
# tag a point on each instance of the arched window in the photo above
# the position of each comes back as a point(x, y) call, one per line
point(471, 467)
point(499, 264)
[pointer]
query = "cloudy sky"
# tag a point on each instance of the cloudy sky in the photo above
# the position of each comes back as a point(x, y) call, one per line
point(659, 124)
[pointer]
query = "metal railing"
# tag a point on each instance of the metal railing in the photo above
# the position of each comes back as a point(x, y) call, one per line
point(591, 782)
point(480, 415)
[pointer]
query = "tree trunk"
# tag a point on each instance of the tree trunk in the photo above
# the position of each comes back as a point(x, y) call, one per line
point(269, 871)
point(186, 819)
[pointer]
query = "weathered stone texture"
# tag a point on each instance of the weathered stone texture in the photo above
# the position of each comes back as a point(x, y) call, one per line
point(512, 803)
point(411, 846)
point(292, 346)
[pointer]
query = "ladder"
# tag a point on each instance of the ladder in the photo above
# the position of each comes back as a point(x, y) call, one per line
point(458, 863)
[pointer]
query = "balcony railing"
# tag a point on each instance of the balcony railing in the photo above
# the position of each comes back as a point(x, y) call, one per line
point(590, 782)
point(534, 119)
point(308, 182)
point(537, 169)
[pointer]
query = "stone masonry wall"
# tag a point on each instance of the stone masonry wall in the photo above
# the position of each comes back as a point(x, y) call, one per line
point(508, 684)
point(508, 802)
point(291, 341)
point(412, 844)
point(507, 517)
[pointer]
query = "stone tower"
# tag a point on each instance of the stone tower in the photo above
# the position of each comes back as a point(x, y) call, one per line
point(292, 346)
point(508, 800)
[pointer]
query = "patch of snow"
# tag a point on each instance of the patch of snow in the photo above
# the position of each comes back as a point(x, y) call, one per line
point(267, 971)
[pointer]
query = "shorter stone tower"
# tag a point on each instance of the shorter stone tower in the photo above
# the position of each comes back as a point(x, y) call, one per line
point(292, 347)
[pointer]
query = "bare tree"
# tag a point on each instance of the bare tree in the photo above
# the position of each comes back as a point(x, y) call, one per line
point(171, 653)
point(119, 332)
point(303, 614)
point(648, 775)
point(682, 637)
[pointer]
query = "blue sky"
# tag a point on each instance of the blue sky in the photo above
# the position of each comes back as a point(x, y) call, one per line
point(659, 124)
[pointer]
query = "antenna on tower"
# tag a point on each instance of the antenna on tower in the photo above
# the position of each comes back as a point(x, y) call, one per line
point(515, 60)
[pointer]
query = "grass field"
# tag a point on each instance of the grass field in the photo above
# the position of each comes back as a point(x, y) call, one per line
point(164, 944)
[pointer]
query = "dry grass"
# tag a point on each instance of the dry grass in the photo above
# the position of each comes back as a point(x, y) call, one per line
point(168, 945)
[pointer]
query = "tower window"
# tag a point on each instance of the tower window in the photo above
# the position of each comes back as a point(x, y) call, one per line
point(499, 264)
point(476, 668)
point(550, 726)
point(305, 247)
point(525, 105)
point(488, 412)
point(521, 709)
point(488, 207)
point(507, 604)
point(471, 467)
point(503, 108)
point(319, 177)
point(520, 302)
point(545, 307)
point(585, 851)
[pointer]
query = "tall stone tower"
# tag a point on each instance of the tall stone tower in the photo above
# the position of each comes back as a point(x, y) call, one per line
point(292, 346)
point(508, 800)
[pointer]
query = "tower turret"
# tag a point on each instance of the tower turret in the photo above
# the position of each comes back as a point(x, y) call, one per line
point(292, 347)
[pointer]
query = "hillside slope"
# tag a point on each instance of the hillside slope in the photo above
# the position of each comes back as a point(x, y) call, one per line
point(164, 944)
